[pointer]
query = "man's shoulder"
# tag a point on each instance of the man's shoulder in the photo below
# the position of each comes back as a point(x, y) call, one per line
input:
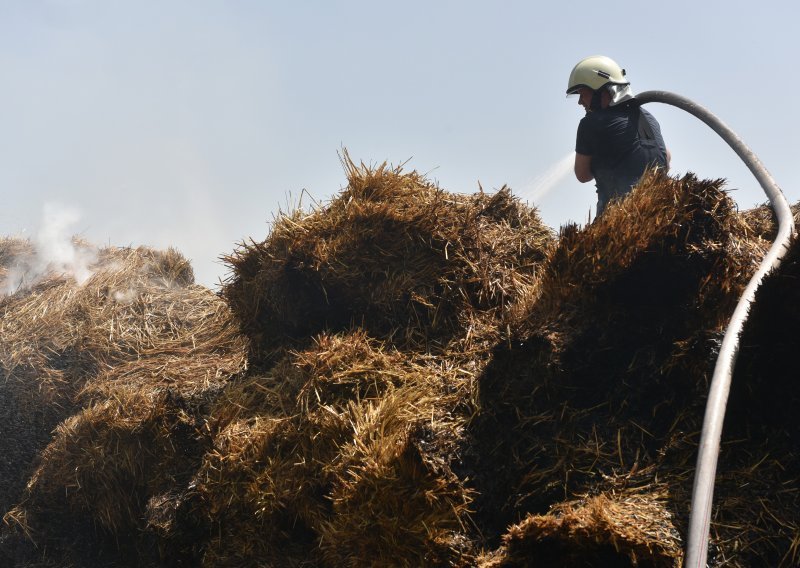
point(649, 116)
point(591, 120)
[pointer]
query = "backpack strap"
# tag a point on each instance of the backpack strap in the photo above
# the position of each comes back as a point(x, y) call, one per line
point(645, 130)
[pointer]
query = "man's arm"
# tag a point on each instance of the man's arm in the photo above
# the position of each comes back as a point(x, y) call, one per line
point(583, 167)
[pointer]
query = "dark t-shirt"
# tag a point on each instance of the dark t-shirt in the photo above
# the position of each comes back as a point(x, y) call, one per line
point(623, 141)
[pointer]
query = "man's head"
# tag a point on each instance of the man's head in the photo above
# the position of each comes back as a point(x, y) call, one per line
point(593, 100)
point(603, 78)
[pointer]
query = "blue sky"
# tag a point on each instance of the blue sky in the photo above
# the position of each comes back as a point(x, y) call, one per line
point(189, 123)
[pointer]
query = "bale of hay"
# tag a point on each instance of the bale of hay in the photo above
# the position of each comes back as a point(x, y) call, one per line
point(348, 460)
point(137, 324)
point(765, 389)
point(607, 376)
point(434, 375)
point(674, 244)
point(393, 254)
point(626, 529)
point(394, 494)
point(11, 250)
point(103, 481)
point(758, 486)
point(58, 332)
point(762, 222)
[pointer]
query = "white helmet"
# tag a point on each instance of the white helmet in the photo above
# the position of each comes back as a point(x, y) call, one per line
point(595, 72)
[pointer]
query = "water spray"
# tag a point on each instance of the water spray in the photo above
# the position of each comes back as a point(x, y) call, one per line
point(538, 187)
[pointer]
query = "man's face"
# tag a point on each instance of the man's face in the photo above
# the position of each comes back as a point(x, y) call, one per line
point(585, 97)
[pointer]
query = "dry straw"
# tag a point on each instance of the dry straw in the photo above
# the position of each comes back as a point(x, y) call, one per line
point(348, 454)
point(392, 253)
point(613, 529)
point(434, 380)
point(117, 353)
point(603, 387)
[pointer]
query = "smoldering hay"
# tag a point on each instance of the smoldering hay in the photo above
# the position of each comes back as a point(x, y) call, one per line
point(406, 376)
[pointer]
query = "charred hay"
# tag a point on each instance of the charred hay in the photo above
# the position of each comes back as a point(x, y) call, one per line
point(604, 385)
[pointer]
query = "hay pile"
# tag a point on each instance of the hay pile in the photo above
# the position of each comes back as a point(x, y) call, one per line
point(344, 448)
point(603, 389)
point(393, 254)
point(433, 379)
point(627, 529)
point(105, 362)
point(342, 453)
point(340, 442)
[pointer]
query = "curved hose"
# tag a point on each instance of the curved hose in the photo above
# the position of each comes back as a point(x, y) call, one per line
point(703, 491)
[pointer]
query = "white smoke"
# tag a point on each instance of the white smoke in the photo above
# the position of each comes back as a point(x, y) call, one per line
point(537, 188)
point(55, 252)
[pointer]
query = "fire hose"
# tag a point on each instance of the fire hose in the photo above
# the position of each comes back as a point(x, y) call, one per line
point(708, 451)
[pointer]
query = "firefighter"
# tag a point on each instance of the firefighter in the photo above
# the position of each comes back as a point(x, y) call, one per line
point(617, 139)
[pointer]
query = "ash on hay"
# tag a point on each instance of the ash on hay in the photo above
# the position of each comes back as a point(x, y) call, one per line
point(407, 376)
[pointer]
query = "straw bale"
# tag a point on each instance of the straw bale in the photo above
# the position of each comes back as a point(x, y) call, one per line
point(392, 253)
point(673, 244)
point(106, 470)
point(606, 376)
point(58, 331)
point(766, 369)
point(138, 324)
point(11, 249)
point(41, 330)
point(757, 518)
point(395, 501)
point(761, 220)
point(354, 427)
point(629, 529)
point(261, 489)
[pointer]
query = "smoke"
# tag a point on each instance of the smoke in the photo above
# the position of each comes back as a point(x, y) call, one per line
point(54, 252)
point(538, 187)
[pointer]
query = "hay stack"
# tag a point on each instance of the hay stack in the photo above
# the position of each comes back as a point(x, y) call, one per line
point(332, 453)
point(111, 352)
point(393, 254)
point(433, 378)
point(347, 445)
point(605, 383)
point(762, 222)
point(12, 249)
point(341, 455)
point(58, 333)
point(110, 481)
point(628, 529)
